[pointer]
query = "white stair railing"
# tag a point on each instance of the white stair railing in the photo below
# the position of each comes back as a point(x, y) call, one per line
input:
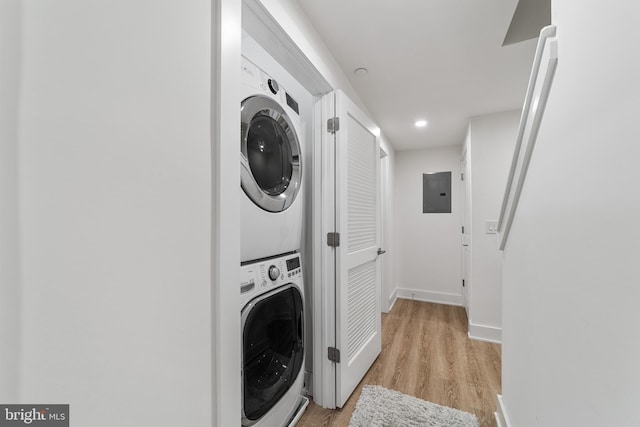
point(542, 72)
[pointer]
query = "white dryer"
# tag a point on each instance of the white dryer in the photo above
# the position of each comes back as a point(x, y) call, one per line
point(271, 167)
point(273, 352)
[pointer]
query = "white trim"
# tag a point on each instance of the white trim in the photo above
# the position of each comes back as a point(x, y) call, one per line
point(384, 260)
point(466, 266)
point(485, 333)
point(226, 36)
point(502, 418)
point(542, 73)
point(325, 370)
point(428, 296)
point(393, 298)
point(317, 257)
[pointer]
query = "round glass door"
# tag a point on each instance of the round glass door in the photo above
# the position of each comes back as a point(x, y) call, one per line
point(272, 349)
point(270, 154)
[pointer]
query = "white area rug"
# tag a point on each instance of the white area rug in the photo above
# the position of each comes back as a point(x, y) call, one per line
point(381, 407)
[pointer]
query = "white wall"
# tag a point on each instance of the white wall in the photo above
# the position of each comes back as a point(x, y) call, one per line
point(427, 257)
point(492, 139)
point(115, 202)
point(10, 41)
point(225, 213)
point(570, 347)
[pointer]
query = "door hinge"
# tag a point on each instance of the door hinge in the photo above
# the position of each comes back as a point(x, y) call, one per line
point(462, 176)
point(463, 229)
point(333, 354)
point(463, 283)
point(333, 124)
point(333, 239)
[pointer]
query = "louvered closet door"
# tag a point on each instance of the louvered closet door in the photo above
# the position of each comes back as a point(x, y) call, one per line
point(358, 325)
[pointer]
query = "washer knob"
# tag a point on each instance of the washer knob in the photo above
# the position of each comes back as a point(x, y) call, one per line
point(274, 272)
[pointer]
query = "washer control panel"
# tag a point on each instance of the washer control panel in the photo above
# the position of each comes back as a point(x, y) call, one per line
point(274, 273)
point(258, 277)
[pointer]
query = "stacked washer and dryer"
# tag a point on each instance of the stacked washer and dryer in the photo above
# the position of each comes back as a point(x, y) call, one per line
point(272, 286)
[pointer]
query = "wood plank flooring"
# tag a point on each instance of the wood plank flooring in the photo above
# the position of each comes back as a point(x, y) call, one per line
point(426, 353)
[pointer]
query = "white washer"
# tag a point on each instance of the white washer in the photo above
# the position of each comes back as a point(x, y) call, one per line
point(271, 167)
point(272, 310)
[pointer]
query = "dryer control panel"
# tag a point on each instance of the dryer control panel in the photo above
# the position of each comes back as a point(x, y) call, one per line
point(252, 76)
point(262, 276)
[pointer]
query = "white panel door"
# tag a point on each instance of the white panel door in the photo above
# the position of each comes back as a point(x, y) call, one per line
point(358, 318)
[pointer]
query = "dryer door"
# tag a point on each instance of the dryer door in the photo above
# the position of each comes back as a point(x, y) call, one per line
point(270, 154)
point(272, 349)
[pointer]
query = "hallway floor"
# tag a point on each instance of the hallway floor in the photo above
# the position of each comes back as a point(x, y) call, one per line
point(426, 353)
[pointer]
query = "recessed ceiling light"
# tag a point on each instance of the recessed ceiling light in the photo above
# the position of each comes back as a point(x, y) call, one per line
point(421, 123)
point(360, 71)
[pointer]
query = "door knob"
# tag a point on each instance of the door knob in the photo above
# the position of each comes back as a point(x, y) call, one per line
point(381, 251)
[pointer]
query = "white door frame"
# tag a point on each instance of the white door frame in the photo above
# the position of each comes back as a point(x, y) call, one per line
point(324, 371)
point(385, 265)
point(465, 238)
point(225, 211)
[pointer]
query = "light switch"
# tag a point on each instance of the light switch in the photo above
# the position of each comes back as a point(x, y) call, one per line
point(491, 227)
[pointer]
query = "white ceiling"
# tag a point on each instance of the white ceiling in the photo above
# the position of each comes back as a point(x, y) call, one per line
point(441, 60)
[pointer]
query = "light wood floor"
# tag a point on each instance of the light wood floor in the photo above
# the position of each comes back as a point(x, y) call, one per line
point(426, 353)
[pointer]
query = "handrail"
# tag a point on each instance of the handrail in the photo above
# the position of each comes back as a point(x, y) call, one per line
point(542, 72)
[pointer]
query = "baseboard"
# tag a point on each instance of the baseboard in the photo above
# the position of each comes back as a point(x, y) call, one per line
point(393, 298)
point(485, 333)
point(427, 296)
point(502, 419)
